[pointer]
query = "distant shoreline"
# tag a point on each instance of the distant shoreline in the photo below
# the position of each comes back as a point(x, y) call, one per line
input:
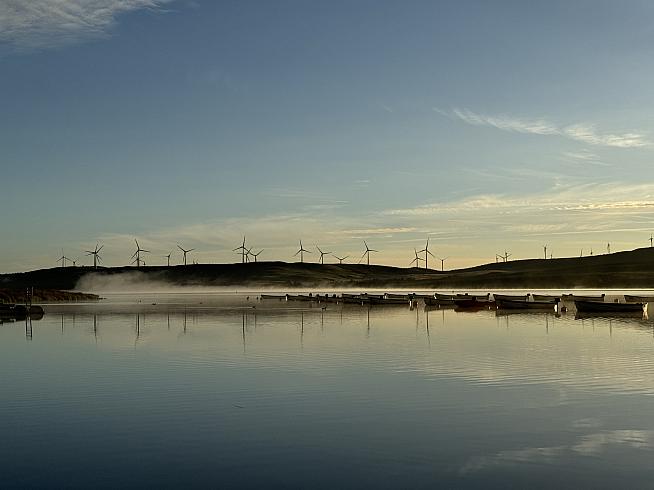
point(631, 270)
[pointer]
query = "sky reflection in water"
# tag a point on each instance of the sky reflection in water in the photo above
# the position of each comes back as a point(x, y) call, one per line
point(200, 391)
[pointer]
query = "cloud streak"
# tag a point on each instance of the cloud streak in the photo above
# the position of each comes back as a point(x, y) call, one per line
point(37, 24)
point(581, 132)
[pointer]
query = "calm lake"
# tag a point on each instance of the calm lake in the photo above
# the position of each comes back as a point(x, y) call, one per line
point(221, 391)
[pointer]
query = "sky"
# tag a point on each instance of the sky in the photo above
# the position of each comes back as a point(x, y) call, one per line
point(489, 127)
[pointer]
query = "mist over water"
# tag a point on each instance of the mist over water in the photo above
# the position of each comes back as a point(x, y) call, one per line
point(223, 390)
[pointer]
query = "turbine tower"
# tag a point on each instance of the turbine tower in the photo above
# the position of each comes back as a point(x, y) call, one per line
point(96, 255)
point(137, 255)
point(651, 240)
point(301, 252)
point(367, 253)
point(255, 255)
point(185, 252)
point(243, 249)
point(427, 253)
point(545, 250)
point(168, 257)
point(443, 259)
point(341, 259)
point(322, 255)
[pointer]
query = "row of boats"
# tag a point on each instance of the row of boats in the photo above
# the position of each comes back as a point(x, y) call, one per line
point(544, 302)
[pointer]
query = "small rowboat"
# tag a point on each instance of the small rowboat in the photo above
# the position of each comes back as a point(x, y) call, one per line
point(272, 296)
point(508, 304)
point(405, 297)
point(473, 304)
point(576, 297)
point(511, 297)
point(478, 297)
point(630, 298)
point(546, 297)
point(595, 307)
point(441, 299)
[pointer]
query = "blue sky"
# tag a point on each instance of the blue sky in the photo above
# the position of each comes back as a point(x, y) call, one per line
point(484, 125)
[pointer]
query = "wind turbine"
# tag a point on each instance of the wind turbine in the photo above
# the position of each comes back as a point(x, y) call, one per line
point(417, 258)
point(243, 249)
point(137, 254)
point(545, 250)
point(322, 255)
point(651, 240)
point(341, 259)
point(185, 252)
point(256, 254)
point(505, 257)
point(367, 253)
point(443, 259)
point(301, 252)
point(96, 255)
point(168, 257)
point(63, 259)
point(608, 248)
point(427, 253)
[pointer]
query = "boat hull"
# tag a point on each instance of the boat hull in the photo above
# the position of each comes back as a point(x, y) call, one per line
point(507, 304)
point(595, 307)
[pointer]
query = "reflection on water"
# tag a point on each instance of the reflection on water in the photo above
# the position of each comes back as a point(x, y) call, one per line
point(197, 391)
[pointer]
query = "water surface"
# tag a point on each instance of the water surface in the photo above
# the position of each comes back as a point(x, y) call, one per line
point(224, 391)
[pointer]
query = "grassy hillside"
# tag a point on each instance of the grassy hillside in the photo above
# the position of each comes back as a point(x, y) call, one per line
point(632, 269)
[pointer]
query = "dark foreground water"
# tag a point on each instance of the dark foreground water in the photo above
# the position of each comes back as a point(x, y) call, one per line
point(209, 392)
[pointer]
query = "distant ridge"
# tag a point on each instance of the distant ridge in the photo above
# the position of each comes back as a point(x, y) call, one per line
point(631, 269)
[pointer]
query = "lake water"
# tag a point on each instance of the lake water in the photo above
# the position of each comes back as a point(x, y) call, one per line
point(223, 392)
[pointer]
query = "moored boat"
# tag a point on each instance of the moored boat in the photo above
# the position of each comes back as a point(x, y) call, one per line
point(473, 303)
point(478, 297)
point(546, 297)
point(596, 307)
point(272, 297)
point(404, 297)
point(442, 299)
point(630, 298)
point(511, 297)
point(577, 297)
point(508, 304)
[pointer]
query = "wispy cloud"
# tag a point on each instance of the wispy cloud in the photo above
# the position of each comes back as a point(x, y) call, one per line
point(607, 196)
point(582, 132)
point(583, 158)
point(51, 23)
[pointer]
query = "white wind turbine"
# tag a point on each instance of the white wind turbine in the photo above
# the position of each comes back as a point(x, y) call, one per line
point(137, 255)
point(96, 255)
point(367, 253)
point(427, 253)
point(301, 252)
point(243, 249)
point(185, 252)
point(417, 259)
point(322, 255)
